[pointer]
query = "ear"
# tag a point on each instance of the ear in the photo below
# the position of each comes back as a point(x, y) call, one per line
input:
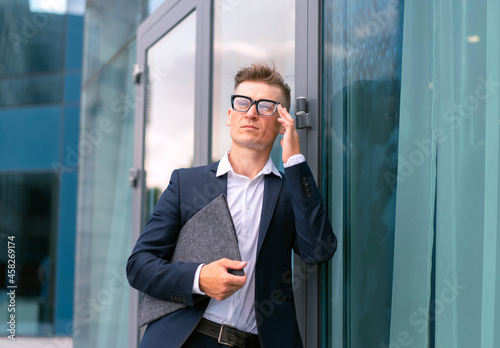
point(228, 121)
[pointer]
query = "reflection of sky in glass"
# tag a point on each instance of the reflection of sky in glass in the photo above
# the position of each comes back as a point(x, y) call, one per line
point(170, 106)
point(246, 32)
point(49, 6)
point(153, 5)
point(76, 7)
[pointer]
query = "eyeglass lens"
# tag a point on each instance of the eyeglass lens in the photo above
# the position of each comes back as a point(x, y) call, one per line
point(264, 107)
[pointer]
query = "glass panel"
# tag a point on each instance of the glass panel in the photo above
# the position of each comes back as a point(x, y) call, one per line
point(105, 155)
point(361, 90)
point(32, 38)
point(447, 222)
point(241, 37)
point(169, 139)
point(31, 90)
point(32, 48)
point(108, 30)
point(28, 212)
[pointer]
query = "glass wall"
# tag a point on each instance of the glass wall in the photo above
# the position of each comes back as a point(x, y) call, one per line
point(40, 77)
point(241, 37)
point(28, 219)
point(411, 101)
point(31, 53)
point(361, 88)
point(105, 153)
point(448, 166)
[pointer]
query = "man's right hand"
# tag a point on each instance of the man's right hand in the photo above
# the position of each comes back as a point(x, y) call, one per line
point(217, 282)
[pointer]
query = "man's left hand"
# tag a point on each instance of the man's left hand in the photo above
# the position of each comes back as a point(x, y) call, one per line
point(290, 142)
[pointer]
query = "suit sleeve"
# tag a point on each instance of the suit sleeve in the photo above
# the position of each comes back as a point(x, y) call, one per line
point(314, 241)
point(148, 269)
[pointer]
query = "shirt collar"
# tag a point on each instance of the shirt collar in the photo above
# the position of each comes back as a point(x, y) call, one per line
point(225, 167)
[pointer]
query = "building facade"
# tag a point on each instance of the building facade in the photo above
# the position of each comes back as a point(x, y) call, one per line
point(40, 76)
point(401, 128)
point(403, 98)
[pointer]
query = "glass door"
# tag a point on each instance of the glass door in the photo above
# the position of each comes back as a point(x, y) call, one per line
point(169, 110)
point(169, 107)
point(188, 53)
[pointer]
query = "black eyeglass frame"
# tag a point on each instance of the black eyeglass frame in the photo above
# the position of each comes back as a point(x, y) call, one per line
point(256, 102)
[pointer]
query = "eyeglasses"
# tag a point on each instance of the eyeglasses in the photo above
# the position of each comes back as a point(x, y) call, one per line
point(265, 107)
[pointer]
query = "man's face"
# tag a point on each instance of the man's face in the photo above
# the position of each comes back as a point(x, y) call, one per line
point(249, 129)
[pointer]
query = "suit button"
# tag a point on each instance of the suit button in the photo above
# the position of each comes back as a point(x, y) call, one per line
point(307, 194)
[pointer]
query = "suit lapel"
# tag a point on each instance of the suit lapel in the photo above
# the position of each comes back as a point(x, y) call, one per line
point(272, 189)
point(220, 182)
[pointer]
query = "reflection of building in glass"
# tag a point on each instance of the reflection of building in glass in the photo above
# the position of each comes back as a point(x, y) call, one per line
point(40, 78)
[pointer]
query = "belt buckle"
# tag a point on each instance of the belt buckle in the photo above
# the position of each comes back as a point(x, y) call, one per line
point(219, 340)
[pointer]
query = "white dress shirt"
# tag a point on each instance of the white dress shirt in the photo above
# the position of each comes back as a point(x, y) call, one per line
point(244, 198)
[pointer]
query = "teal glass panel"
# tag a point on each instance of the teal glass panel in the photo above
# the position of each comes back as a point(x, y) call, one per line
point(23, 145)
point(448, 195)
point(31, 90)
point(74, 41)
point(362, 43)
point(32, 52)
point(32, 39)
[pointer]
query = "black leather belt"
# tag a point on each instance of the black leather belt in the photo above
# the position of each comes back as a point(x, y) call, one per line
point(228, 335)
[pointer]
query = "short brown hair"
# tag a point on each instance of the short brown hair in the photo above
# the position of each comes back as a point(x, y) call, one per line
point(263, 72)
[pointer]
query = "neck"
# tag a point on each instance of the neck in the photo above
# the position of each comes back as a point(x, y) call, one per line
point(246, 161)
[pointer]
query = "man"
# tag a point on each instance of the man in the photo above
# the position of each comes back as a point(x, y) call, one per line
point(273, 213)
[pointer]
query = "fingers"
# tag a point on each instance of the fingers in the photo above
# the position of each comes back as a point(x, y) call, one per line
point(285, 118)
point(232, 264)
point(290, 142)
point(217, 283)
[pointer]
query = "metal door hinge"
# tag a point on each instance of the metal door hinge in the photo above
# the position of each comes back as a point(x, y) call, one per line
point(133, 177)
point(302, 118)
point(137, 74)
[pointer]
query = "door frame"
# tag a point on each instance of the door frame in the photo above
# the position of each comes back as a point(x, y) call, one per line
point(156, 26)
point(307, 84)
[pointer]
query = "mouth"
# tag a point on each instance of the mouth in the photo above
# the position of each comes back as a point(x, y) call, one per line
point(249, 126)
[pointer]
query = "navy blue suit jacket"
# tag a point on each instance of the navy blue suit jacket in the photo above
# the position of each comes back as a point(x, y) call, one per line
point(293, 217)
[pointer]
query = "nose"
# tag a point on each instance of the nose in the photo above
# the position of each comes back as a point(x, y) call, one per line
point(252, 112)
